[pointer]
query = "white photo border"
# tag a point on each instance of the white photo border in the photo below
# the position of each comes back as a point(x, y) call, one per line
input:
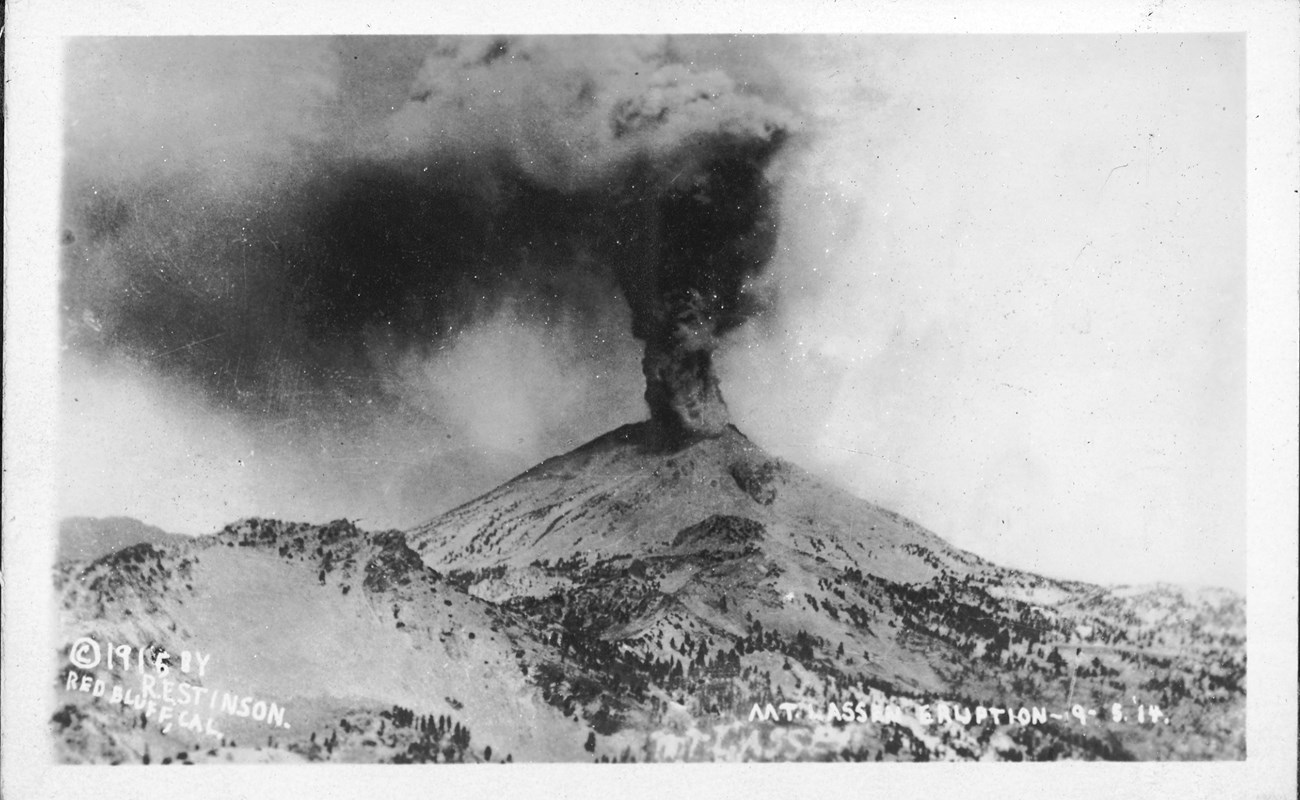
point(35, 32)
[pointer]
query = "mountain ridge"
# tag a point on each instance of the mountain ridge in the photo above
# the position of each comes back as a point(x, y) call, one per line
point(87, 538)
point(634, 600)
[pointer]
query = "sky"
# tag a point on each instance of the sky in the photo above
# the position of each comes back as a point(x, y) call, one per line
point(1006, 298)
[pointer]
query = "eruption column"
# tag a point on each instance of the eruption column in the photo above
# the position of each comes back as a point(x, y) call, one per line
point(299, 279)
point(714, 230)
point(675, 155)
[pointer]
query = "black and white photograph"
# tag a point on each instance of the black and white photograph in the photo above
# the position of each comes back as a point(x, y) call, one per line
point(624, 398)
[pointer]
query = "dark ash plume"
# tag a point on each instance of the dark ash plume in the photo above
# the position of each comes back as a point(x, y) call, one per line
point(713, 228)
point(675, 157)
point(291, 263)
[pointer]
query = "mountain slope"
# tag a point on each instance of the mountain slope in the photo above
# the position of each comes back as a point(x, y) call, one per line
point(636, 601)
point(326, 621)
point(622, 494)
point(716, 547)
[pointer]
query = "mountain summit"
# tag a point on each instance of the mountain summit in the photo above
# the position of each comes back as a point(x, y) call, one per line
point(628, 493)
point(659, 597)
point(670, 550)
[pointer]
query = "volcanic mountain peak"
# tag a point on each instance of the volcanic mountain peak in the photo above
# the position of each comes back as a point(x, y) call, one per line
point(628, 493)
point(635, 598)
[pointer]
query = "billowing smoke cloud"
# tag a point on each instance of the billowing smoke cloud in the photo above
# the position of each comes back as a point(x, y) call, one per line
point(663, 164)
point(320, 237)
point(538, 169)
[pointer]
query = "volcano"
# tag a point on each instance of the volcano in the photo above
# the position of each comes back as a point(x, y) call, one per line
point(717, 538)
point(642, 597)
